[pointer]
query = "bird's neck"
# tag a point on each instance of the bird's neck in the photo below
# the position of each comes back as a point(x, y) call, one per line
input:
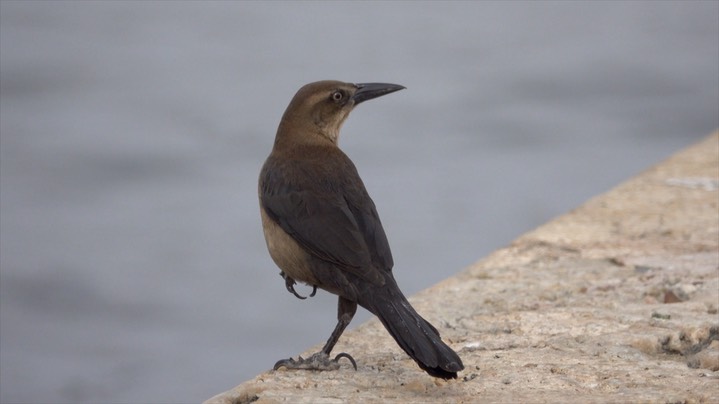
point(292, 135)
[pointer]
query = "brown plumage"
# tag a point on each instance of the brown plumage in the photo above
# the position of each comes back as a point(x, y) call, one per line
point(322, 227)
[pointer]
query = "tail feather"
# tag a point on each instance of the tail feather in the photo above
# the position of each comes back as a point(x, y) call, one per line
point(415, 335)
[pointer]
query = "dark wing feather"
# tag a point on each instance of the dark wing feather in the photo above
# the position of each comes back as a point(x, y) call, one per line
point(336, 224)
point(365, 213)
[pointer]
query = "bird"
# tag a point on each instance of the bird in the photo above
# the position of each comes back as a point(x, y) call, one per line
point(322, 228)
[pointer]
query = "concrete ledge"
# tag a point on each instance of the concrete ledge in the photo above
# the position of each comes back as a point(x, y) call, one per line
point(615, 301)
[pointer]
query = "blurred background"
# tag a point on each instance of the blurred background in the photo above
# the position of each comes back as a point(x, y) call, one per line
point(133, 267)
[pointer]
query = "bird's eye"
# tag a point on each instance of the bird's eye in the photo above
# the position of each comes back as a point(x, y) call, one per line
point(337, 96)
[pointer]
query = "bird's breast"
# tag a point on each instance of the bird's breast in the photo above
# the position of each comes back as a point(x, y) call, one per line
point(286, 252)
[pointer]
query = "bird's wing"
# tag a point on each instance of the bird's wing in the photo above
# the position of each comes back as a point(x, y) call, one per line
point(370, 226)
point(337, 227)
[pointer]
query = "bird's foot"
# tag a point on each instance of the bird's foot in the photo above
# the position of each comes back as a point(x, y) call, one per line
point(290, 285)
point(318, 361)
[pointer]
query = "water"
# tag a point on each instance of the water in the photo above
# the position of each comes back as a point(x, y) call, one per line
point(133, 267)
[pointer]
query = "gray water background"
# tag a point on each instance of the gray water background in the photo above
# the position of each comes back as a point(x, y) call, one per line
point(133, 267)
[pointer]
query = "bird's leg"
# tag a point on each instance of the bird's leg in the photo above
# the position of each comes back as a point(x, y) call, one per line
point(346, 309)
point(290, 285)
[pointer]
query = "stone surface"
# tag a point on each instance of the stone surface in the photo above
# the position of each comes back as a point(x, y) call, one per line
point(616, 301)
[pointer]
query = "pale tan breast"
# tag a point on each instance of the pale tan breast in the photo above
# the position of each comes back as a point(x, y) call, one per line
point(287, 254)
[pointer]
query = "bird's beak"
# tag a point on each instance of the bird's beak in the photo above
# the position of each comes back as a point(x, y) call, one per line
point(368, 91)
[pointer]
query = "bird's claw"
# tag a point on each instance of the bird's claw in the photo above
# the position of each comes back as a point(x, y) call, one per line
point(345, 355)
point(319, 361)
point(290, 285)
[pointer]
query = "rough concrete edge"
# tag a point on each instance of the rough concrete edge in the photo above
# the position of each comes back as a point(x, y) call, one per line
point(546, 234)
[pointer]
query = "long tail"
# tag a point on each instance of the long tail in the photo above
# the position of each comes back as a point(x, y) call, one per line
point(417, 337)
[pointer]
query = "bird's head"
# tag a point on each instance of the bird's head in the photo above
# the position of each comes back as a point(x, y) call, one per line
point(321, 107)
